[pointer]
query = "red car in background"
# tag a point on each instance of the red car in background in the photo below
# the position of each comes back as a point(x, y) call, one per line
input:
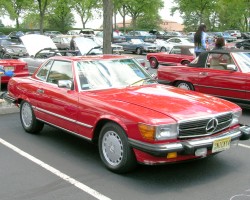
point(182, 54)
point(19, 69)
point(222, 73)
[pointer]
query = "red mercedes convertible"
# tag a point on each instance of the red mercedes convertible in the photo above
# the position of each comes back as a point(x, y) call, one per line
point(113, 102)
point(222, 73)
point(182, 54)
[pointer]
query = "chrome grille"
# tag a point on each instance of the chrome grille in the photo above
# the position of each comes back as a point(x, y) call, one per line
point(197, 128)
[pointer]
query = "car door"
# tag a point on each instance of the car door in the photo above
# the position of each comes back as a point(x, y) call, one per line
point(217, 79)
point(58, 106)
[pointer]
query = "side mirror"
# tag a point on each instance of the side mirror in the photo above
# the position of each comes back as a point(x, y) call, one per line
point(232, 67)
point(65, 84)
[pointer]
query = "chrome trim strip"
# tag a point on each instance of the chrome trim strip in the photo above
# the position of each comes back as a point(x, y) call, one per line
point(209, 141)
point(184, 146)
point(156, 147)
point(237, 90)
point(204, 117)
point(74, 133)
point(62, 117)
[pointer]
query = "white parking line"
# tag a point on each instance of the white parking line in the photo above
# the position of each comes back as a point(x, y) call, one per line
point(65, 177)
point(243, 145)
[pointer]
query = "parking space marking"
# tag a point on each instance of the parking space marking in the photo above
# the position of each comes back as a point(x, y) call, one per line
point(65, 177)
point(243, 145)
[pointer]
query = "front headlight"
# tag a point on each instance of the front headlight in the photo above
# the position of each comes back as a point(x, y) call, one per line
point(162, 132)
point(236, 116)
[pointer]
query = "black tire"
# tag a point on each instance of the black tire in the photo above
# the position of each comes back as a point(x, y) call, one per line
point(185, 62)
point(7, 56)
point(114, 149)
point(184, 85)
point(28, 119)
point(153, 63)
point(139, 51)
point(163, 49)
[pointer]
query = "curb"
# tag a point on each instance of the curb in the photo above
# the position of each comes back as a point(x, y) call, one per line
point(6, 108)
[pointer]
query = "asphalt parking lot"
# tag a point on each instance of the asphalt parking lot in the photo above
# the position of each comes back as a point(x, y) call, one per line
point(57, 165)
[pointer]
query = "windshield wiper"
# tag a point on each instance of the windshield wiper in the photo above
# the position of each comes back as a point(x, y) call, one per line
point(143, 80)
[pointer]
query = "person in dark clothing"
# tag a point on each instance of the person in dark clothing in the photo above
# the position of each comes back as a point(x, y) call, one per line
point(72, 43)
point(200, 40)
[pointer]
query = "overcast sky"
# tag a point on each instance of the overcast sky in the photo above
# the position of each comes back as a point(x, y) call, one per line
point(165, 14)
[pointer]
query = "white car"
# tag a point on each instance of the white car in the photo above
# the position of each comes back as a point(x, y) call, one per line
point(163, 45)
point(235, 33)
point(180, 40)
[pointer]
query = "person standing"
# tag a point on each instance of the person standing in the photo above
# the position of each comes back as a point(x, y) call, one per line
point(200, 40)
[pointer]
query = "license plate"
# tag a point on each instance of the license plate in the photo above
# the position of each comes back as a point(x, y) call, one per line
point(9, 69)
point(221, 144)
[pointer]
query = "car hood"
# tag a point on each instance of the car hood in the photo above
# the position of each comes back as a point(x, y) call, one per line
point(176, 103)
point(34, 43)
point(85, 44)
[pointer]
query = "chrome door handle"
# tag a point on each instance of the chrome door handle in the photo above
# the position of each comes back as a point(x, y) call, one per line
point(203, 73)
point(40, 91)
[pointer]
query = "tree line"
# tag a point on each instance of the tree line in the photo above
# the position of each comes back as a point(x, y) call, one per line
point(58, 14)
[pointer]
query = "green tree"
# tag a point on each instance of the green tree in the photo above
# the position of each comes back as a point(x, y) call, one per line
point(86, 9)
point(140, 8)
point(196, 12)
point(42, 7)
point(239, 12)
point(61, 17)
point(147, 22)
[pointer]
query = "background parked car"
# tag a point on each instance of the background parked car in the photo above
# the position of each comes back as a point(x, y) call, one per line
point(226, 36)
point(87, 32)
point(244, 44)
point(179, 54)
point(117, 38)
point(235, 33)
point(2, 35)
point(52, 33)
point(62, 41)
point(138, 46)
point(163, 45)
point(16, 35)
point(245, 35)
point(10, 48)
point(143, 35)
point(180, 40)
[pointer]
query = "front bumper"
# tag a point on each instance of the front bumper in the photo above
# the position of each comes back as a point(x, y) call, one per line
point(188, 147)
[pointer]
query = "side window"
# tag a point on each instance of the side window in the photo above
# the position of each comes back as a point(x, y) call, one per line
point(175, 50)
point(60, 70)
point(44, 71)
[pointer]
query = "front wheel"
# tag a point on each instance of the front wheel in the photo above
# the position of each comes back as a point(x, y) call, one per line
point(184, 85)
point(28, 119)
point(114, 149)
point(153, 63)
point(138, 51)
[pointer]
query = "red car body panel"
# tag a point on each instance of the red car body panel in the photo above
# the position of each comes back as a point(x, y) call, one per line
point(19, 68)
point(85, 112)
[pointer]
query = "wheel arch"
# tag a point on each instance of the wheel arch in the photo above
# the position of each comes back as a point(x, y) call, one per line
point(102, 122)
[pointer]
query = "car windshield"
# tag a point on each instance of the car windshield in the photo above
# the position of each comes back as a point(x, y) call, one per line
point(103, 74)
point(243, 60)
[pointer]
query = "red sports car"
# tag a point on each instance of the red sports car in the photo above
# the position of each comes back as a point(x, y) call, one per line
point(19, 69)
point(182, 54)
point(222, 73)
point(113, 102)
